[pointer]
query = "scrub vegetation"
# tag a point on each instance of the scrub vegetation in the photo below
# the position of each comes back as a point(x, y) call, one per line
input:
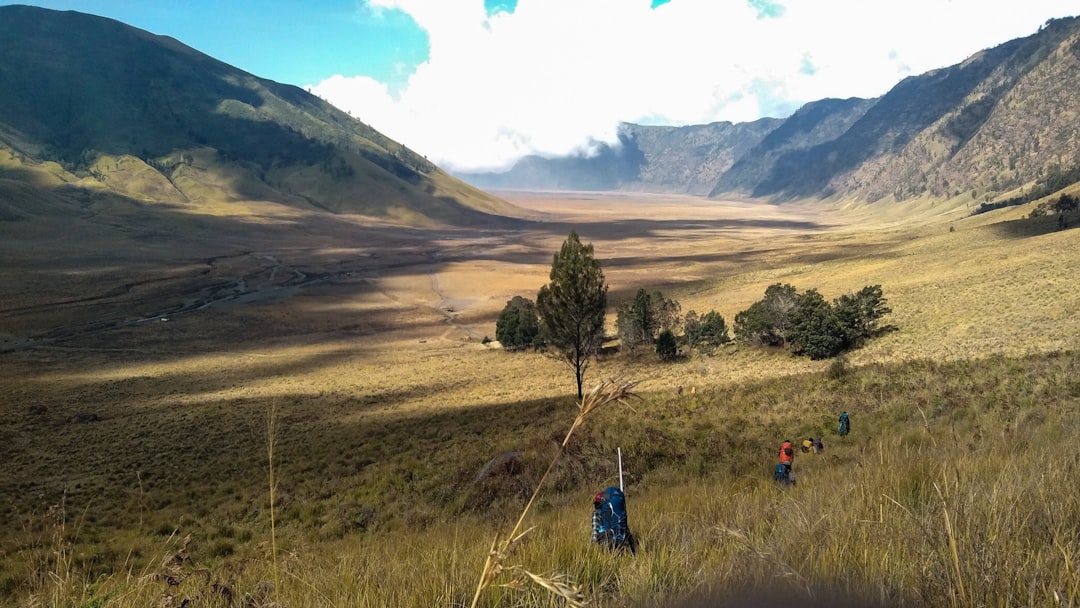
point(350, 442)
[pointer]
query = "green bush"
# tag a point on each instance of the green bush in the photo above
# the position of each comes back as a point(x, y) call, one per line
point(765, 322)
point(640, 320)
point(666, 345)
point(518, 324)
point(808, 324)
point(816, 330)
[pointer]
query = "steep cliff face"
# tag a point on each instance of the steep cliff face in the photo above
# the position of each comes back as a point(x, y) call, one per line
point(691, 159)
point(813, 124)
point(1000, 120)
point(646, 158)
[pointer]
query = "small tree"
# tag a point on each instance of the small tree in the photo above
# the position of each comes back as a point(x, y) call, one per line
point(572, 306)
point(766, 321)
point(859, 314)
point(640, 320)
point(707, 331)
point(666, 345)
point(753, 327)
point(713, 330)
point(665, 313)
point(692, 329)
point(518, 324)
point(1066, 203)
point(814, 328)
point(635, 321)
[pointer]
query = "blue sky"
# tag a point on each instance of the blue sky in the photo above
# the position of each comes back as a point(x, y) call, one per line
point(476, 84)
point(285, 40)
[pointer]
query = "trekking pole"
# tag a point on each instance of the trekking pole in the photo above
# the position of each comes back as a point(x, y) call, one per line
point(620, 469)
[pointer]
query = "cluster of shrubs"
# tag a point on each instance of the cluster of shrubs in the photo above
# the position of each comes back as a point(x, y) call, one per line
point(805, 323)
point(1055, 179)
point(650, 319)
point(1066, 203)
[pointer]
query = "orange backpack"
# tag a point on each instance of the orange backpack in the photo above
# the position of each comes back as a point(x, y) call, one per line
point(787, 454)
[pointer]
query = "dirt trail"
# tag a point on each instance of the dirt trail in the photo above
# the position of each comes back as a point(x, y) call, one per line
point(449, 308)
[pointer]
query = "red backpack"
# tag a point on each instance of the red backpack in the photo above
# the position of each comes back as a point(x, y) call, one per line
point(787, 453)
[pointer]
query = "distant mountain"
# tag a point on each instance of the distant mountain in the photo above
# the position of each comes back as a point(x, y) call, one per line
point(814, 124)
point(645, 158)
point(1003, 119)
point(690, 159)
point(607, 167)
point(126, 111)
point(994, 122)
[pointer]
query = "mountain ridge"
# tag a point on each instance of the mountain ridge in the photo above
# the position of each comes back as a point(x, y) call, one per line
point(992, 125)
point(115, 92)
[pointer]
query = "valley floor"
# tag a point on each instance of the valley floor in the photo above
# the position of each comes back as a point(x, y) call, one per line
point(138, 384)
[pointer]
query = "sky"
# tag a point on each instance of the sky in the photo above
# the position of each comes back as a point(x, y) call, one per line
point(477, 84)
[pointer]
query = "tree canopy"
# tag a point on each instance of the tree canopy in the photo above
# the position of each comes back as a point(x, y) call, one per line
point(765, 322)
point(814, 329)
point(707, 331)
point(809, 325)
point(859, 314)
point(518, 326)
point(642, 319)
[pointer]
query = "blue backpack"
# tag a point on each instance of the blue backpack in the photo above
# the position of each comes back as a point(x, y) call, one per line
point(610, 526)
point(844, 425)
point(782, 476)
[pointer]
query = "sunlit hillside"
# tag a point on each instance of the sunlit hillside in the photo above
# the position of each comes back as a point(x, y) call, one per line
point(176, 126)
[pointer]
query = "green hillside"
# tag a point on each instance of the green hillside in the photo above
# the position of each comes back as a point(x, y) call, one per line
point(97, 97)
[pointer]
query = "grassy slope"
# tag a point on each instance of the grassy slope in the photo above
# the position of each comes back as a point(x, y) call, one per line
point(872, 519)
point(64, 98)
point(376, 503)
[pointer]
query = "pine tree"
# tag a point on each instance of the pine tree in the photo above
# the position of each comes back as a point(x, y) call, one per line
point(572, 306)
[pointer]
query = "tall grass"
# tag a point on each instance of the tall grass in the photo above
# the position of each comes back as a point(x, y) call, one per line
point(272, 418)
point(604, 393)
point(956, 487)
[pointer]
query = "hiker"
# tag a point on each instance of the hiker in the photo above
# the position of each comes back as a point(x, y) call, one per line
point(819, 446)
point(807, 445)
point(610, 526)
point(787, 457)
point(781, 475)
point(844, 424)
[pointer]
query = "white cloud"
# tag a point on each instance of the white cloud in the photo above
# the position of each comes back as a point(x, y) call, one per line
point(556, 73)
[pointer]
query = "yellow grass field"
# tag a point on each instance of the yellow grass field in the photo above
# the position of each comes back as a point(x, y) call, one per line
point(138, 381)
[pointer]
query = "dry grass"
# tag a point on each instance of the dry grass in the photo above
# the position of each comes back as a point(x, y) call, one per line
point(388, 406)
point(605, 393)
point(952, 479)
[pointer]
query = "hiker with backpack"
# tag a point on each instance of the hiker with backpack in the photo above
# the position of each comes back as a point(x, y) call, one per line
point(781, 476)
point(787, 457)
point(610, 527)
point(844, 424)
